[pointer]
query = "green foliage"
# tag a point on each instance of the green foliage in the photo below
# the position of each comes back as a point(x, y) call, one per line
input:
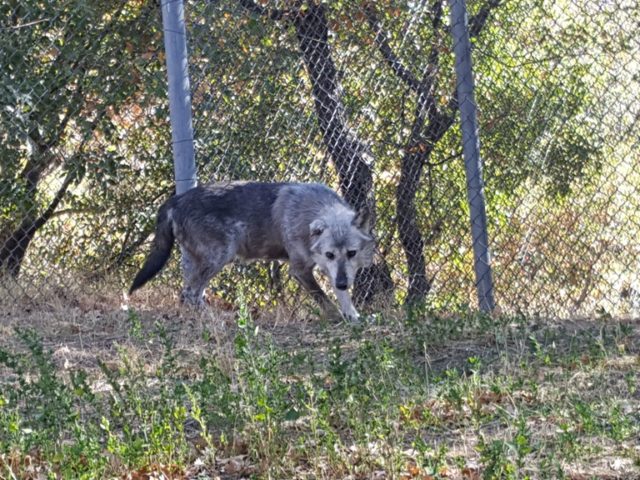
point(79, 83)
point(43, 412)
point(51, 408)
point(85, 96)
point(361, 401)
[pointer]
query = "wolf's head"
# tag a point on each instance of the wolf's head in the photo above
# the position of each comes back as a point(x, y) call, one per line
point(341, 244)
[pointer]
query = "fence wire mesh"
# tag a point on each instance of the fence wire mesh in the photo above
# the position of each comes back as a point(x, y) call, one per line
point(361, 95)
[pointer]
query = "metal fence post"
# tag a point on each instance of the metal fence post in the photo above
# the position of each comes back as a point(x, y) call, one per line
point(471, 151)
point(175, 44)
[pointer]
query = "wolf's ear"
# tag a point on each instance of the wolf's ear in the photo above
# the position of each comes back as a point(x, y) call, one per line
point(362, 220)
point(317, 227)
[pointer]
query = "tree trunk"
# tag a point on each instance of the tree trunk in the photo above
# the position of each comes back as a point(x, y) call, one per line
point(15, 242)
point(14, 248)
point(410, 236)
point(349, 154)
point(15, 245)
point(413, 162)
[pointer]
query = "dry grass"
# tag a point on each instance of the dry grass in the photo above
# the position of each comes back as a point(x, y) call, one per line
point(428, 397)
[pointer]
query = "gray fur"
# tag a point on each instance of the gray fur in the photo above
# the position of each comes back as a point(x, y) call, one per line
point(302, 223)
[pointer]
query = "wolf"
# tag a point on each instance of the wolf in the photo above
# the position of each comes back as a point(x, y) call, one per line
point(306, 224)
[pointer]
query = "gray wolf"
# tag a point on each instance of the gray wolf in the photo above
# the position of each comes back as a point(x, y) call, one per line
point(307, 224)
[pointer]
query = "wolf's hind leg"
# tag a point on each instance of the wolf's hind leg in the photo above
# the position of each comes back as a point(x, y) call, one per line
point(195, 284)
point(199, 270)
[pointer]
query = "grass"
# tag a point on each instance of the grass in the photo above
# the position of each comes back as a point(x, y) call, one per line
point(95, 391)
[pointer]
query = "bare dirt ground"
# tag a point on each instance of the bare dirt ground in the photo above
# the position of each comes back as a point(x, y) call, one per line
point(95, 326)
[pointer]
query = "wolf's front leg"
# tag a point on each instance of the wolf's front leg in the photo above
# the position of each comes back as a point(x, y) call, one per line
point(346, 305)
point(304, 276)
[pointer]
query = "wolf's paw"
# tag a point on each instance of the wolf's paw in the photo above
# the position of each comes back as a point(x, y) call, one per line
point(187, 297)
point(351, 315)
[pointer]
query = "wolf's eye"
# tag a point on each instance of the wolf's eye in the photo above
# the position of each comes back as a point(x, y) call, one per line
point(351, 253)
point(330, 255)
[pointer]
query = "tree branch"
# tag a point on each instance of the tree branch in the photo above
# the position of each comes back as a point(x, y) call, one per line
point(47, 214)
point(387, 52)
point(273, 14)
point(479, 20)
point(70, 177)
point(431, 71)
point(424, 86)
point(41, 160)
point(477, 24)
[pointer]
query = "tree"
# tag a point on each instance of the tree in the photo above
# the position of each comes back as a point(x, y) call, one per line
point(349, 153)
point(63, 76)
point(358, 94)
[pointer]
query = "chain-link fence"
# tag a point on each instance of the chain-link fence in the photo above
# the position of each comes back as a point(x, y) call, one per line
point(361, 95)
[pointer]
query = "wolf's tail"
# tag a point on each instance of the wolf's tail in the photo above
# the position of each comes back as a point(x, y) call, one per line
point(160, 250)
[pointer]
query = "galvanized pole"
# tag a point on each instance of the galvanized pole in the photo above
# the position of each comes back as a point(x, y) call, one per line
point(175, 45)
point(471, 151)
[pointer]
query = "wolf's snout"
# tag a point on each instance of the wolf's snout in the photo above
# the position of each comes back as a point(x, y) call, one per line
point(341, 278)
